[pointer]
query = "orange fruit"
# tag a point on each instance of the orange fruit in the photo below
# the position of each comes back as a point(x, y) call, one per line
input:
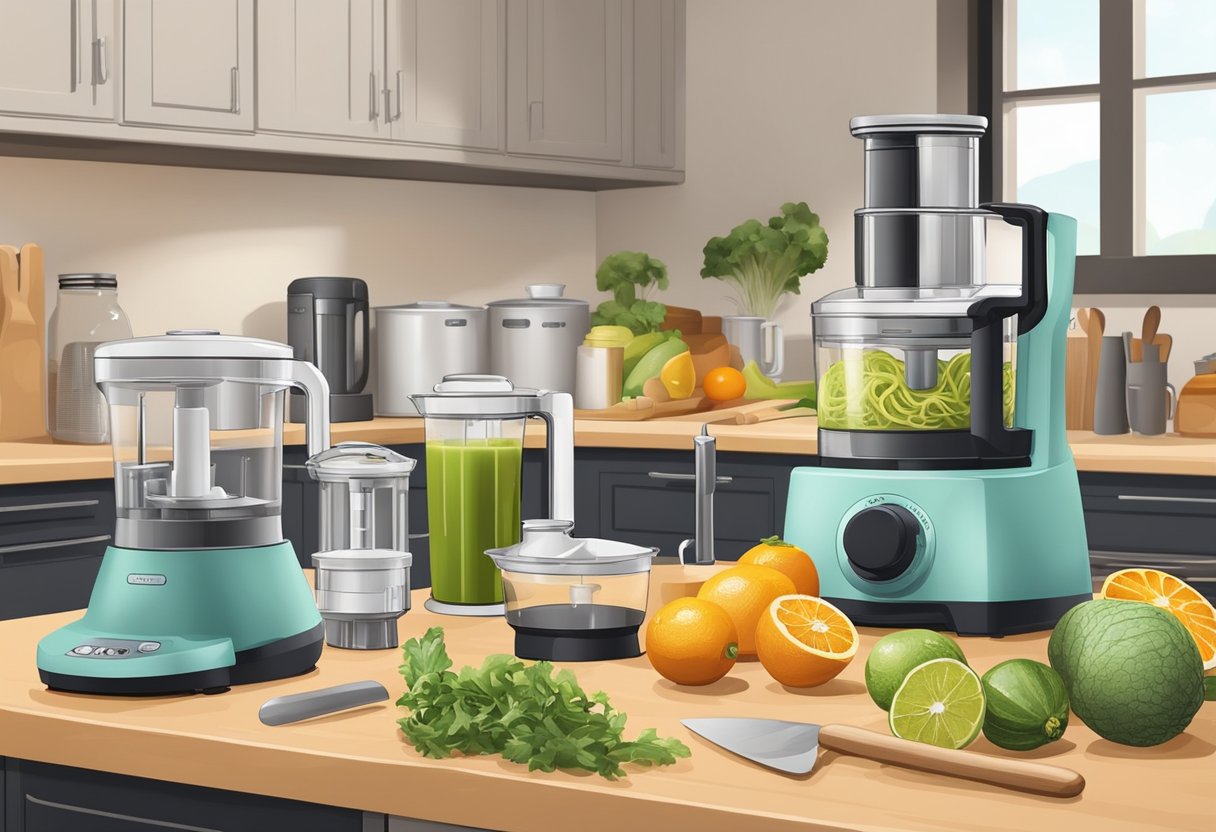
point(722, 384)
point(745, 591)
point(804, 641)
point(1162, 589)
point(788, 559)
point(692, 642)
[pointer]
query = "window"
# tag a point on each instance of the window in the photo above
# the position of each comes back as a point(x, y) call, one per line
point(1107, 111)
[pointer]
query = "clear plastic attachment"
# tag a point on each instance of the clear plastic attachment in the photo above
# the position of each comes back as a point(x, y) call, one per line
point(364, 497)
point(879, 385)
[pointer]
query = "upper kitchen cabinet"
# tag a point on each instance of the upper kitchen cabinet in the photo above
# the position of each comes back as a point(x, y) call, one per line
point(566, 77)
point(56, 58)
point(658, 83)
point(321, 67)
point(445, 65)
point(189, 63)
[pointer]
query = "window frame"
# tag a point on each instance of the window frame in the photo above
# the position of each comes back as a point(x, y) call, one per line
point(1116, 270)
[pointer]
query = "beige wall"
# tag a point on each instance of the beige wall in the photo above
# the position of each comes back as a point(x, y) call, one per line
point(771, 87)
point(211, 248)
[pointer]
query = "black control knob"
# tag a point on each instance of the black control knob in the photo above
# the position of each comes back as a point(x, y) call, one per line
point(880, 542)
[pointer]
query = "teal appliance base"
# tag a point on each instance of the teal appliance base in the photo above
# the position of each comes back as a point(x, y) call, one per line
point(187, 621)
point(991, 552)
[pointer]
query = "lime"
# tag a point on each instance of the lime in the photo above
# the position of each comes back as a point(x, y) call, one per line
point(1027, 705)
point(941, 703)
point(1133, 672)
point(895, 654)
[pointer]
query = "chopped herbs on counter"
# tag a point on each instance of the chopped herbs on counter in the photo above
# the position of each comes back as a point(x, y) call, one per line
point(525, 712)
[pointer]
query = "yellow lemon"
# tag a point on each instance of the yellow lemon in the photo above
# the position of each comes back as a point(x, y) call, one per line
point(679, 376)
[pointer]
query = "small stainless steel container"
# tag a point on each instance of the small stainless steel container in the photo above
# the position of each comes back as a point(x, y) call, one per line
point(361, 593)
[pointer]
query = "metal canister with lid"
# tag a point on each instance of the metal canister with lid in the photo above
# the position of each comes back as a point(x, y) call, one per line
point(534, 340)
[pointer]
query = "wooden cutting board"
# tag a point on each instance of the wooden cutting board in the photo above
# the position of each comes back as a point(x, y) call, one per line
point(1076, 361)
point(22, 369)
point(642, 407)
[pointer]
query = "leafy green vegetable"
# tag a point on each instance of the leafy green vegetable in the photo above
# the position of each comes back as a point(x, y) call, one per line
point(624, 274)
point(766, 261)
point(526, 713)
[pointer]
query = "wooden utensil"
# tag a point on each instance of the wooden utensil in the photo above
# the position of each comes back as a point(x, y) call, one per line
point(1152, 320)
point(1076, 361)
point(793, 748)
point(1164, 342)
point(21, 365)
point(1094, 326)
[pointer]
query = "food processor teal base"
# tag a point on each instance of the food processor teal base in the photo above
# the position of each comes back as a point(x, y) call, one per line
point(999, 551)
point(183, 621)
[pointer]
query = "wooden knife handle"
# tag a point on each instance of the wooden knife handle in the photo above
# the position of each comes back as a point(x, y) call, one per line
point(1026, 776)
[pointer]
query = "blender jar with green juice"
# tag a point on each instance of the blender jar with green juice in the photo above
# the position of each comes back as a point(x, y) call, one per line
point(474, 453)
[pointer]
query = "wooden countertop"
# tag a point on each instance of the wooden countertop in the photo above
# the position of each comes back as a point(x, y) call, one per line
point(47, 461)
point(359, 760)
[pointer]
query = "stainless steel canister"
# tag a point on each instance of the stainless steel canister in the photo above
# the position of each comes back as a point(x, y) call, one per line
point(534, 340)
point(417, 344)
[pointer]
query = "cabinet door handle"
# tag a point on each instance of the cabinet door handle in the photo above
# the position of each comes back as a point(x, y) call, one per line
point(661, 475)
point(536, 119)
point(373, 96)
point(101, 62)
point(400, 82)
point(46, 506)
point(1156, 498)
point(236, 90)
point(53, 544)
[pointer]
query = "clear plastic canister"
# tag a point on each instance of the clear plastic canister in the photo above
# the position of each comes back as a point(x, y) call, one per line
point(364, 497)
point(86, 314)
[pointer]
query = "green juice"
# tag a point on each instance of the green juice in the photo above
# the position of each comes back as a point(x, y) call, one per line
point(473, 493)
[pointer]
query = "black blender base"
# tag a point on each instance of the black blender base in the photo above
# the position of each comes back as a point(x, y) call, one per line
point(584, 647)
point(291, 656)
point(967, 618)
point(582, 633)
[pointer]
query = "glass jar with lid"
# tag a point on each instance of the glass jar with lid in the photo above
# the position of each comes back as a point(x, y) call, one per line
point(86, 314)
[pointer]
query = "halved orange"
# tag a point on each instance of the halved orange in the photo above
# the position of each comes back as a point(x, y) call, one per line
point(1161, 589)
point(804, 641)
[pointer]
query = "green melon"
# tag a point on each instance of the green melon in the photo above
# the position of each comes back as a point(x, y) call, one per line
point(1027, 705)
point(1132, 671)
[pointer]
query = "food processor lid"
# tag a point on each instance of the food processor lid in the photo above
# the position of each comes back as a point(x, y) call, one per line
point(429, 307)
point(362, 560)
point(477, 396)
point(547, 548)
point(883, 303)
point(358, 461)
point(194, 343)
point(918, 123)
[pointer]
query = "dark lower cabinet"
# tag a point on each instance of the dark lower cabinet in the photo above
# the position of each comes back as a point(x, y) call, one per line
point(52, 537)
point(644, 497)
point(1152, 521)
point(39, 797)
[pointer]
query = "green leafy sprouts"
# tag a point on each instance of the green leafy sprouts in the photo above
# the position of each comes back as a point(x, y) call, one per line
point(526, 713)
point(763, 262)
point(628, 274)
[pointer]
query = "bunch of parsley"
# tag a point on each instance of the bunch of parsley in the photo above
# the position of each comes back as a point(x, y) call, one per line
point(526, 713)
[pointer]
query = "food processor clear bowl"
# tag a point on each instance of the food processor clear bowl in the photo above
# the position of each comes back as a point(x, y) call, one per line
point(878, 385)
point(573, 599)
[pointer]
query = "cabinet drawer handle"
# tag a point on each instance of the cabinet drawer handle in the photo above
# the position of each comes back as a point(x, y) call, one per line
point(1155, 498)
point(660, 475)
point(101, 62)
point(46, 506)
point(419, 536)
point(53, 544)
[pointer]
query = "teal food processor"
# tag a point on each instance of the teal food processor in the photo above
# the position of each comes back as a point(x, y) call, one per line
point(200, 590)
point(946, 495)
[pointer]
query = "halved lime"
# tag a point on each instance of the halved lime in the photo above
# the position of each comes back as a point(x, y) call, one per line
point(941, 702)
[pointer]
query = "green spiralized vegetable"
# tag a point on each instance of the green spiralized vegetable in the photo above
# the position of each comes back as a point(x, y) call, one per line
point(866, 390)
